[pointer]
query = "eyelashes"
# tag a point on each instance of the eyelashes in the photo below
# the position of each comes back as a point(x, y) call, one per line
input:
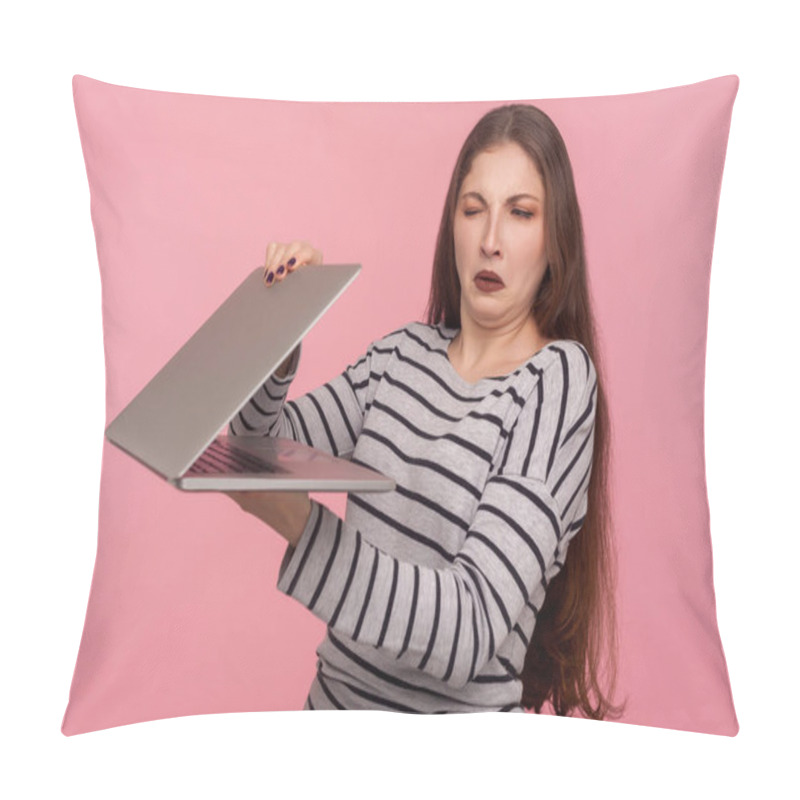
point(518, 212)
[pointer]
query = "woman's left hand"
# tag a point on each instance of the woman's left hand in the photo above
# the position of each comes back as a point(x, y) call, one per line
point(285, 512)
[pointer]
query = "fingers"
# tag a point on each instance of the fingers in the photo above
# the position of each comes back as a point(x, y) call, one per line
point(245, 500)
point(281, 259)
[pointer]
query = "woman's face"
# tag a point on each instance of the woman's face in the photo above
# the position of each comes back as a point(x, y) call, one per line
point(499, 237)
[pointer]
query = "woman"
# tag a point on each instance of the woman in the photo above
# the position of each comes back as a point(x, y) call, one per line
point(454, 593)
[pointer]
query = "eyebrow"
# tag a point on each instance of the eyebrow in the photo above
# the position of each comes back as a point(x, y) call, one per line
point(513, 199)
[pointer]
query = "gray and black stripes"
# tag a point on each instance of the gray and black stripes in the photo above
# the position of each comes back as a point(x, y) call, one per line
point(431, 592)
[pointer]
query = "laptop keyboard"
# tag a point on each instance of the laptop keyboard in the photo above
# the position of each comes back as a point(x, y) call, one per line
point(222, 457)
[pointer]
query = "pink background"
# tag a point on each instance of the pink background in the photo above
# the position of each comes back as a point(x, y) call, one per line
point(183, 616)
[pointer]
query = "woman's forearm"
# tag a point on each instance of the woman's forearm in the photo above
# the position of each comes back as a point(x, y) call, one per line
point(285, 512)
point(283, 370)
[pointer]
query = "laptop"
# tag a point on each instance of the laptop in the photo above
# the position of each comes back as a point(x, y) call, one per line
point(175, 425)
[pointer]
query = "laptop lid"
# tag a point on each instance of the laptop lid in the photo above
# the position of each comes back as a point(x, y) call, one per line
point(202, 387)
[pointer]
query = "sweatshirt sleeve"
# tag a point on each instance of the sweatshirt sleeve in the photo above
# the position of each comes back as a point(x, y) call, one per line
point(330, 418)
point(448, 622)
point(262, 412)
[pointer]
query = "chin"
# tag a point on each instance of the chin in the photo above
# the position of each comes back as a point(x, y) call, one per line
point(485, 318)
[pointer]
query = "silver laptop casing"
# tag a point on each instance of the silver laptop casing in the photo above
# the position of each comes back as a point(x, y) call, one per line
point(184, 407)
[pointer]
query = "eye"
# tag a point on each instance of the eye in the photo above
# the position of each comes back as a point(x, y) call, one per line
point(520, 212)
point(468, 212)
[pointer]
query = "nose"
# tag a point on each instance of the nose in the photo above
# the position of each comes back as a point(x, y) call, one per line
point(490, 241)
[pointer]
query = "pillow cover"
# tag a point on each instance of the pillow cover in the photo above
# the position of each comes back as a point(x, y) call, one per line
point(184, 616)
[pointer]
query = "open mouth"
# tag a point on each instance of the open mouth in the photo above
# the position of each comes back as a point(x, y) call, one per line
point(488, 281)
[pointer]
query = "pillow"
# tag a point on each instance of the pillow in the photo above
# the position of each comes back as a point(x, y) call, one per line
point(186, 191)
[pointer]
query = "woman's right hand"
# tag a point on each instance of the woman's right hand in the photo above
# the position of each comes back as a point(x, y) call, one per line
point(282, 259)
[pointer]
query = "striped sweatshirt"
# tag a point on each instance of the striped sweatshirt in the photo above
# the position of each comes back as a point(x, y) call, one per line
point(430, 592)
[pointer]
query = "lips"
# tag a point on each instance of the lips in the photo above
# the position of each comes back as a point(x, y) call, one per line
point(488, 281)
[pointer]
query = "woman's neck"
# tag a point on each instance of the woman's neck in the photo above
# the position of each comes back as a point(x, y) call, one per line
point(477, 349)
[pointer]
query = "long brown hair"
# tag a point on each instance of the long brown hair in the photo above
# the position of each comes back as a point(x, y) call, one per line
point(576, 626)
